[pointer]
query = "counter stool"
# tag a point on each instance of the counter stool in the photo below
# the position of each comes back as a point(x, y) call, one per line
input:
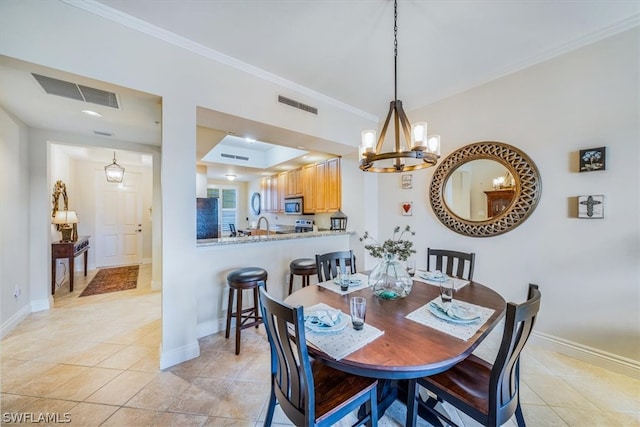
point(305, 267)
point(239, 280)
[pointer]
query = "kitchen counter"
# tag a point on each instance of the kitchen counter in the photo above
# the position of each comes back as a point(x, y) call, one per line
point(270, 238)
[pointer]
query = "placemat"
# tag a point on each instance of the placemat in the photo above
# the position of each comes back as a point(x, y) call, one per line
point(457, 283)
point(341, 343)
point(462, 331)
point(333, 286)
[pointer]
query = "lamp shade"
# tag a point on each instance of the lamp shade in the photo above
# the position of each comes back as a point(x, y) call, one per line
point(65, 217)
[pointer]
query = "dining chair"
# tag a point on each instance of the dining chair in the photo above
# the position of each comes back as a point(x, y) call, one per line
point(309, 393)
point(455, 263)
point(329, 263)
point(488, 393)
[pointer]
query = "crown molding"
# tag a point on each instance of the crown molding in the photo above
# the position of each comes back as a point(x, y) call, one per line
point(134, 23)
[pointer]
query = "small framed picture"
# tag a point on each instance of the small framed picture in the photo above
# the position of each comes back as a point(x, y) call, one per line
point(593, 159)
point(591, 206)
point(406, 181)
point(407, 208)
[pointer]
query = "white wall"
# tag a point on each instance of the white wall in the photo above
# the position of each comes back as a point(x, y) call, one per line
point(14, 228)
point(588, 270)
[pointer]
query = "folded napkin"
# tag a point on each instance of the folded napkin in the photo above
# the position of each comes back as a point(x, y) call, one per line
point(434, 276)
point(353, 280)
point(328, 317)
point(454, 312)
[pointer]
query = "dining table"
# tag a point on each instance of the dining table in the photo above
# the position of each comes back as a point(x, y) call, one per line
point(402, 340)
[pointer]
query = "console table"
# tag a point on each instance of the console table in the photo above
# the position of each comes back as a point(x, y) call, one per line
point(68, 250)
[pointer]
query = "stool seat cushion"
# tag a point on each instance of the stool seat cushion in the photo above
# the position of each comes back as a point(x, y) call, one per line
point(247, 274)
point(303, 264)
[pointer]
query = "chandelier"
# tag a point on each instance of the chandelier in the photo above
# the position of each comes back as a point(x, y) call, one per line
point(423, 151)
point(114, 172)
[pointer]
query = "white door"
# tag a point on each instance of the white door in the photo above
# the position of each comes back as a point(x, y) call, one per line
point(118, 237)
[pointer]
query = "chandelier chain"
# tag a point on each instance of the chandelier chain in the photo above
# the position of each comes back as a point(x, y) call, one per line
point(395, 50)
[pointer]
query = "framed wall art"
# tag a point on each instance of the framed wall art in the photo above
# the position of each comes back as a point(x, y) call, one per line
point(591, 206)
point(407, 208)
point(593, 159)
point(406, 181)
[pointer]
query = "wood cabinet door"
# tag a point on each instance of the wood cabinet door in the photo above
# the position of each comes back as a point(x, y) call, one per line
point(333, 187)
point(281, 192)
point(294, 183)
point(321, 187)
point(309, 188)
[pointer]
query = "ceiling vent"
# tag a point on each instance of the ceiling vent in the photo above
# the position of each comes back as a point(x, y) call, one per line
point(233, 156)
point(295, 104)
point(78, 92)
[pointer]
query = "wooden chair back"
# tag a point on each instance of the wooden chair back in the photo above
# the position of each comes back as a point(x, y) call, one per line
point(233, 231)
point(452, 263)
point(504, 386)
point(291, 377)
point(329, 264)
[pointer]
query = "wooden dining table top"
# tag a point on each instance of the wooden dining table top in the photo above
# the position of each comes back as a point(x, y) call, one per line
point(407, 349)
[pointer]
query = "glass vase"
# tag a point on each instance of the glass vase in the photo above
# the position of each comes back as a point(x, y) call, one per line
point(389, 279)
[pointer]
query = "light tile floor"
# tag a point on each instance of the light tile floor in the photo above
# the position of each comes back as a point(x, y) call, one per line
point(96, 359)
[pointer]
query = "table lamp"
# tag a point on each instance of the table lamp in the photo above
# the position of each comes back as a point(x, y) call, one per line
point(66, 222)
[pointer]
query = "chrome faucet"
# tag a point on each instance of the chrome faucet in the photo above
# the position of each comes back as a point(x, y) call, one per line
point(265, 220)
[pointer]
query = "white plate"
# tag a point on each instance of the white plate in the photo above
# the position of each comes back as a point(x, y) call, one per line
point(321, 328)
point(462, 311)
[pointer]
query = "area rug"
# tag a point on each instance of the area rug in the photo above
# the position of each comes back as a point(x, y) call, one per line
point(112, 280)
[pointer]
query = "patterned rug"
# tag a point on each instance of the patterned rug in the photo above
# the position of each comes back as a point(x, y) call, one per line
point(112, 280)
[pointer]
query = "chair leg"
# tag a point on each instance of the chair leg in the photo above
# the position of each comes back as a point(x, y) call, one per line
point(238, 320)
point(256, 306)
point(229, 312)
point(290, 283)
point(520, 416)
point(270, 409)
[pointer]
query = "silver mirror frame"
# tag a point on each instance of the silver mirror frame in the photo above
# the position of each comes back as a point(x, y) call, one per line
point(527, 181)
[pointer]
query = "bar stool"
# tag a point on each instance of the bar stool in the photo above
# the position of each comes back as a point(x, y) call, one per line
point(305, 267)
point(239, 280)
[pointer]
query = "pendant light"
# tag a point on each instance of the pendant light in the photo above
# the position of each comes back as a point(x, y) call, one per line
point(114, 172)
point(419, 151)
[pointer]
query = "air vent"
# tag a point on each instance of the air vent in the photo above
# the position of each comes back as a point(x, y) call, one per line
point(233, 156)
point(78, 92)
point(295, 104)
point(98, 132)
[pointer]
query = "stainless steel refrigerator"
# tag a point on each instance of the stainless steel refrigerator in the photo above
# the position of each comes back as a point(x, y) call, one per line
point(208, 216)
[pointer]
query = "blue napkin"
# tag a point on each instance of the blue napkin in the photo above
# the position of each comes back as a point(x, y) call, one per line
point(434, 276)
point(323, 317)
point(455, 312)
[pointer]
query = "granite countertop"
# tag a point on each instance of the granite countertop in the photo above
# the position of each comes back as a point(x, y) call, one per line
point(271, 237)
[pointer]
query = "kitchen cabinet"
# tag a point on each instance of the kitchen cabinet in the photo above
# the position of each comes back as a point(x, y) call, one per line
point(333, 186)
point(280, 193)
point(309, 188)
point(294, 183)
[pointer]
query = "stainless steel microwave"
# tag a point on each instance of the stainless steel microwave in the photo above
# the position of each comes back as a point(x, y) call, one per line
point(293, 206)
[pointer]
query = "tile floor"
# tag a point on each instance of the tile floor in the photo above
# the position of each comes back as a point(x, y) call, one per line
point(96, 359)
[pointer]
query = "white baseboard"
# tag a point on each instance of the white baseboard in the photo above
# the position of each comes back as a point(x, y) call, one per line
point(603, 359)
point(14, 321)
point(42, 304)
point(212, 327)
point(178, 355)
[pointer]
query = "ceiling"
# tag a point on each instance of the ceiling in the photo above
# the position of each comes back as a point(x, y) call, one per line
point(337, 50)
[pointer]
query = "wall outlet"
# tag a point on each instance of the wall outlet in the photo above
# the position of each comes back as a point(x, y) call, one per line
point(16, 291)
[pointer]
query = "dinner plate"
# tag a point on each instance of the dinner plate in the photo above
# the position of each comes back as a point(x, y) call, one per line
point(465, 314)
point(322, 328)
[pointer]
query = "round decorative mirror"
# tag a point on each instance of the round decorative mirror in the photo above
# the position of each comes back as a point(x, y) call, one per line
point(485, 189)
point(255, 203)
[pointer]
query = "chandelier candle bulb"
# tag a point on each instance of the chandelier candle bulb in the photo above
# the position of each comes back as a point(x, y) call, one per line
point(368, 139)
point(419, 136)
point(433, 144)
